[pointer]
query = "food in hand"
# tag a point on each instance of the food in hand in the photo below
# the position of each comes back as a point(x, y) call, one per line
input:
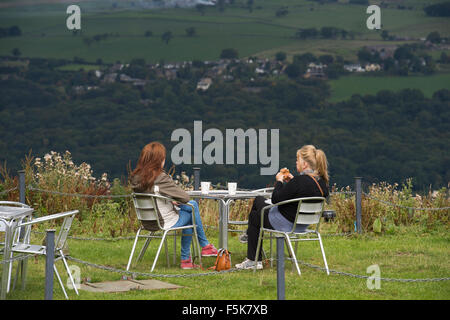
point(286, 174)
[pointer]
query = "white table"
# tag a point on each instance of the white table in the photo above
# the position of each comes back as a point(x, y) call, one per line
point(10, 217)
point(225, 199)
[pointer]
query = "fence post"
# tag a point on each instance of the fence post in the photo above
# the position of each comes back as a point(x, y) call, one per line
point(196, 178)
point(49, 263)
point(22, 186)
point(280, 269)
point(358, 200)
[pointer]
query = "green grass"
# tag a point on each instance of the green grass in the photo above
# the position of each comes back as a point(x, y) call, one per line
point(407, 254)
point(252, 33)
point(344, 87)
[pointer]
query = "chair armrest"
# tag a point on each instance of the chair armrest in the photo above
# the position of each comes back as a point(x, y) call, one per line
point(167, 199)
point(50, 217)
point(156, 196)
point(286, 202)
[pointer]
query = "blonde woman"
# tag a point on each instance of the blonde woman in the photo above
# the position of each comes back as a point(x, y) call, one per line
point(312, 181)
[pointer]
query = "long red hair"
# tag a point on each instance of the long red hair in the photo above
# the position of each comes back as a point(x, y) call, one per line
point(149, 164)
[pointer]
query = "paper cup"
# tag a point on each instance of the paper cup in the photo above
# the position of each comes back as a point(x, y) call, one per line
point(232, 186)
point(205, 187)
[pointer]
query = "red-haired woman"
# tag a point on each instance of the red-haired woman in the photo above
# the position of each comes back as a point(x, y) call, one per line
point(149, 173)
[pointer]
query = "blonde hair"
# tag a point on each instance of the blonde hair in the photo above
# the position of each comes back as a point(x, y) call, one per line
point(316, 159)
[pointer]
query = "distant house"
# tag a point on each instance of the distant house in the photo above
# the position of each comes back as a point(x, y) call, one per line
point(355, 67)
point(260, 71)
point(372, 67)
point(315, 70)
point(204, 84)
point(110, 78)
point(170, 74)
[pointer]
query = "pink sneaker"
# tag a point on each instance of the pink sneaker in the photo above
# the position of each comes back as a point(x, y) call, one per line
point(187, 264)
point(209, 251)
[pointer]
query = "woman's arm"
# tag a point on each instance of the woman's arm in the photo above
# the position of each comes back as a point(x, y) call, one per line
point(168, 188)
point(284, 191)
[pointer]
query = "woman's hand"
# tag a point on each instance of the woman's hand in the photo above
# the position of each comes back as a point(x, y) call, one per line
point(279, 177)
point(283, 178)
point(175, 203)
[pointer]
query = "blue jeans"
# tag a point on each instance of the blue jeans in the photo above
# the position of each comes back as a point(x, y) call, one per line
point(186, 219)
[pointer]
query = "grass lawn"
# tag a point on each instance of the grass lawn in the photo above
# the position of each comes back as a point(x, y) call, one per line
point(408, 254)
point(344, 87)
point(259, 32)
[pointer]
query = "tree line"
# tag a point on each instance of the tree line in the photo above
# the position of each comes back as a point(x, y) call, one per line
point(389, 136)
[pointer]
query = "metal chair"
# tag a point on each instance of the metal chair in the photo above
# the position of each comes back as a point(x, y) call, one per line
point(13, 204)
point(18, 233)
point(309, 211)
point(147, 209)
point(37, 249)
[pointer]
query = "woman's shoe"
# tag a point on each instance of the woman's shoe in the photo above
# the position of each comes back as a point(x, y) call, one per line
point(187, 264)
point(209, 251)
point(249, 264)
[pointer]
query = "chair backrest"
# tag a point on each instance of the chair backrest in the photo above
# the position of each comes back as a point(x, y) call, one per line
point(61, 238)
point(64, 231)
point(309, 210)
point(145, 206)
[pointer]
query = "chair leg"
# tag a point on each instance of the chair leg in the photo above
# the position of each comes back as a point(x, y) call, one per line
point(323, 254)
point(197, 244)
point(60, 282)
point(291, 250)
point(175, 247)
point(159, 250)
point(144, 248)
point(166, 249)
point(134, 247)
point(68, 272)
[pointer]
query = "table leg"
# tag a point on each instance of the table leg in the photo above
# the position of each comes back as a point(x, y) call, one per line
point(224, 208)
point(6, 265)
point(221, 215)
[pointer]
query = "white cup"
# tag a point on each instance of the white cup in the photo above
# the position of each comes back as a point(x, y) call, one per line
point(205, 187)
point(232, 186)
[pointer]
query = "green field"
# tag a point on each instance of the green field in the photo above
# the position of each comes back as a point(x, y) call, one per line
point(344, 87)
point(258, 32)
point(409, 254)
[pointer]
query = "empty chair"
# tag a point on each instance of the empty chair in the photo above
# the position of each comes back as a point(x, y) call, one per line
point(25, 247)
point(146, 207)
point(309, 211)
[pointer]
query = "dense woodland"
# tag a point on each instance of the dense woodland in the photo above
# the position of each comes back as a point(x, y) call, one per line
point(389, 136)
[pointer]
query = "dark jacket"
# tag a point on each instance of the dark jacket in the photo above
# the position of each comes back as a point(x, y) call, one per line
point(298, 187)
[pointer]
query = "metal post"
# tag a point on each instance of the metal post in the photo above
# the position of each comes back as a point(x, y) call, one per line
point(280, 269)
point(49, 263)
point(22, 186)
point(196, 178)
point(358, 203)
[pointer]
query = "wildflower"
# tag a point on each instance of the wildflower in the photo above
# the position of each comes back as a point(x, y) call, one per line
point(47, 157)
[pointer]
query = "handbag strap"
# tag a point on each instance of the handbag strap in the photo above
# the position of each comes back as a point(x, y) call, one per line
point(316, 183)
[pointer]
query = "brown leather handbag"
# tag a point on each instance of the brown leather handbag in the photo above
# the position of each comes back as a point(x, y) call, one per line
point(223, 260)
